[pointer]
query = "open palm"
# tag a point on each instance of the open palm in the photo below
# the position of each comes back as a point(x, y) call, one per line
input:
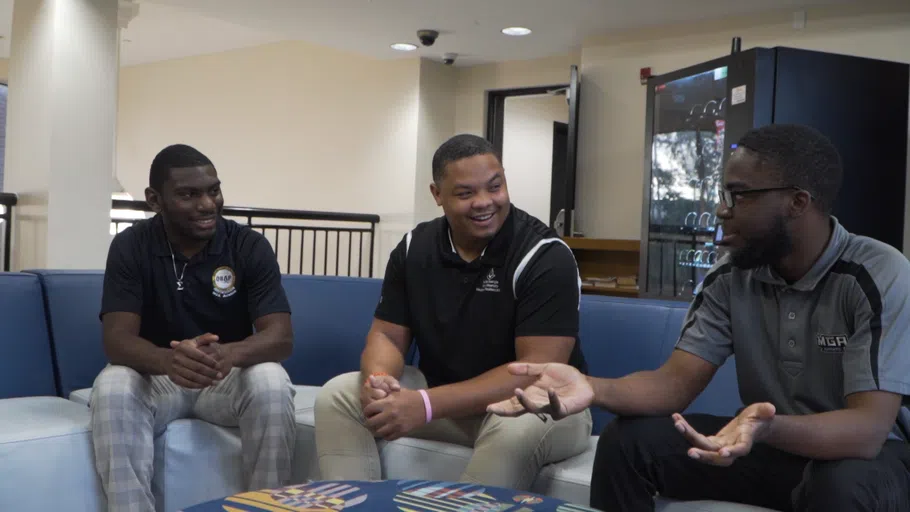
point(560, 390)
point(731, 442)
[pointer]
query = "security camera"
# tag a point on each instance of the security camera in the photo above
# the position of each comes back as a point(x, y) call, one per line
point(427, 37)
point(449, 58)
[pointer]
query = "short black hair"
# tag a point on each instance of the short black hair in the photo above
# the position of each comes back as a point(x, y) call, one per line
point(802, 156)
point(458, 147)
point(175, 156)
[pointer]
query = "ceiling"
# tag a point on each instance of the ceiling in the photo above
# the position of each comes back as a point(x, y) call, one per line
point(168, 29)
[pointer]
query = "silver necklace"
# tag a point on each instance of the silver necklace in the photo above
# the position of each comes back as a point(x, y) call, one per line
point(174, 263)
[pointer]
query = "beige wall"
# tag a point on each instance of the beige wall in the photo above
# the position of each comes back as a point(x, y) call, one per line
point(288, 125)
point(527, 149)
point(435, 124)
point(294, 125)
point(612, 120)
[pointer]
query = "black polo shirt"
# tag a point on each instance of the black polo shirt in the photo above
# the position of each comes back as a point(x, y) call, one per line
point(465, 316)
point(233, 281)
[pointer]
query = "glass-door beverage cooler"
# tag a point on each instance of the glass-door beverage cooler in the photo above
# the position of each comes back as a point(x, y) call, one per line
point(695, 116)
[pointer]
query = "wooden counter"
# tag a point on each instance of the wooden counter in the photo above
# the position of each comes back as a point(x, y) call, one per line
point(606, 258)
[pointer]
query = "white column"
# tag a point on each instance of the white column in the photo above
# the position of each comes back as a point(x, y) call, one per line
point(61, 131)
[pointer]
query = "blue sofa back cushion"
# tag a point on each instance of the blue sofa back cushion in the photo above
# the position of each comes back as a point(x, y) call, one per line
point(331, 317)
point(26, 368)
point(73, 303)
point(721, 396)
point(620, 336)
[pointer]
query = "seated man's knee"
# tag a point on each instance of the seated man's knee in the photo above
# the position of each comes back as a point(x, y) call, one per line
point(828, 485)
point(268, 382)
point(526, 433)
point(624, 432)
point(338, 391)
point(510, 435)
point(116, 385)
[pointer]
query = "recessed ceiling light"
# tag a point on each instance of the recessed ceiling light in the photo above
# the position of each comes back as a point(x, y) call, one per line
point(516, 31)
point(404, 47)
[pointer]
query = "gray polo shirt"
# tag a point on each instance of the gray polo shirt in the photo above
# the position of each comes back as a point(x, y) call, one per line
point(841, 329)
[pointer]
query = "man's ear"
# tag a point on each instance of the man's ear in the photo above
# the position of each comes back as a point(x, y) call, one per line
point(153, 199)
point(437, 193)
point(800, 204)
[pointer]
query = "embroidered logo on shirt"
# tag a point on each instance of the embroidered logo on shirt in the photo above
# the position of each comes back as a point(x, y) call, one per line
point(831, 343)
point(490, 283)
point(223, 281)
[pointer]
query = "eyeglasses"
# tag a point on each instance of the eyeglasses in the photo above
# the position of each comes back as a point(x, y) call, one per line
point(727, 196)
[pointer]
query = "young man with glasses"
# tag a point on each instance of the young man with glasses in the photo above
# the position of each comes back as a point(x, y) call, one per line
point(819, 320)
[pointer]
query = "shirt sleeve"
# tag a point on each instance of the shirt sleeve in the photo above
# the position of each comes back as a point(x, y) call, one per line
point(122, 286)
point(393, 304)
point(707, 331)
point(877, 354)
point(265, 293)
point(547, 293)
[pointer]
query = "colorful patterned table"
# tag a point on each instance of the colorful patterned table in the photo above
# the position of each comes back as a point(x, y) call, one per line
point(391, 495)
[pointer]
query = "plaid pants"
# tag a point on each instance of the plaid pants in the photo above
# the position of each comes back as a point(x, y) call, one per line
point(129, 410)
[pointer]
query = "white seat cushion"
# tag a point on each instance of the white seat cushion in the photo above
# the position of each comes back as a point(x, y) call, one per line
point(306, 466)
point(191, 449)
point(194, 451)
point(410, 458)
point(81, 396)
point(569, 480)
point(48, 461)
point(664, 505)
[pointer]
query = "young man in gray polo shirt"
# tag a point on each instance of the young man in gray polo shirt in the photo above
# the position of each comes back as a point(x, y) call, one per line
point(819, 320)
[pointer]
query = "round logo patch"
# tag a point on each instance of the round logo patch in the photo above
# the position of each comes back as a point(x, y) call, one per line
point(223, 281)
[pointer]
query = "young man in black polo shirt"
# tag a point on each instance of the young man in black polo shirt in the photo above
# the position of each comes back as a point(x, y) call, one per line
point(478, 288)
point(183, 292)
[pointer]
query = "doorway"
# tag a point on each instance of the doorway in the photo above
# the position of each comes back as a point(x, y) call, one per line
point(535, 130)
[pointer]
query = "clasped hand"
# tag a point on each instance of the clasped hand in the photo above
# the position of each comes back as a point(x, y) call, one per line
point(731, 442)
point(390, 411)
point(198, 362)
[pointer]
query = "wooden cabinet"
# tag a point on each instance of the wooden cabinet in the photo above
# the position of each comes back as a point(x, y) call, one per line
point(607, 267)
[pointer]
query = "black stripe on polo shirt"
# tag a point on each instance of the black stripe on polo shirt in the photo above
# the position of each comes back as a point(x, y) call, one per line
point(874, 296)
point(724, 269)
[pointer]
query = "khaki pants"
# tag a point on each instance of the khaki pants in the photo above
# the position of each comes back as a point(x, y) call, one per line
point(508, 452)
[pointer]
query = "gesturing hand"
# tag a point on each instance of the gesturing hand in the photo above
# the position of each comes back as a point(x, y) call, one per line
point(734, 440)
point(376, 387)
point(190, 367)
point(395, 415)
point(560, 390)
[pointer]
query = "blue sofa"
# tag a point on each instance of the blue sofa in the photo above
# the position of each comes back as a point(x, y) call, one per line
point(52, 333)
point(45, 440)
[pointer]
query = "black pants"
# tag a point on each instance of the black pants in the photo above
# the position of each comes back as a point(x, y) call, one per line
point(640, 457)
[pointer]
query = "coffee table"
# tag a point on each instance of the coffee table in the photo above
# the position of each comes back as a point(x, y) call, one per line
point(391, 495)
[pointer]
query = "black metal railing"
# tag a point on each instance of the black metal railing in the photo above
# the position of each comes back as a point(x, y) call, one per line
point(304, 242)
point(7, 203)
